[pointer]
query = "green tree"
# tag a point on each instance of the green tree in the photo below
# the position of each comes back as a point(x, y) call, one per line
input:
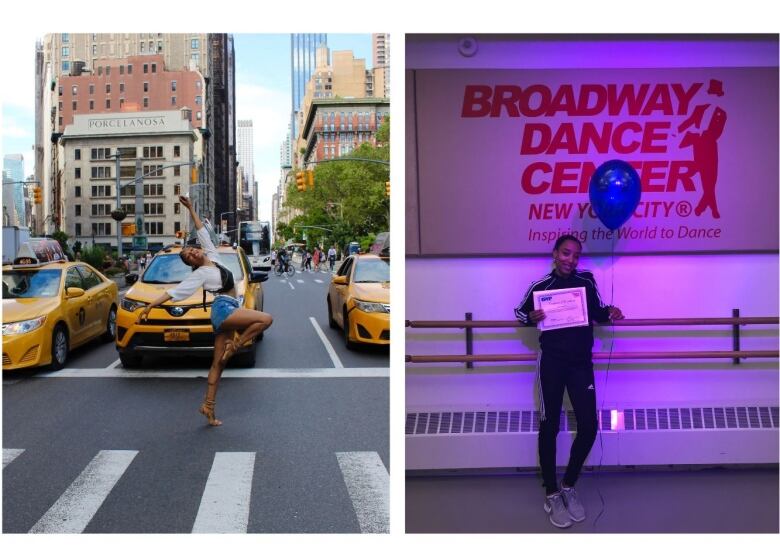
point(62, 238)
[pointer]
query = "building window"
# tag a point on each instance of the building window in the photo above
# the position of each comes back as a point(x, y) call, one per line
point(151, 47)
point(177, 170)
point(146, 102)
point(176, 225)
point(146, 87)
point(154, 208)
point(65, 66)
point(94, 49)
point(176, 151)
point(91, 104)
point(127, 171)
point(100, 70)
point(198, 84)
point(154, 65)
point(78, 190)
point(195, 44)
point(91, 89)
point(74, 105)
point(100, 153)
point(101, 172)
point(108, 88)
point(173, 85)
point(60, 91)
point(153, 228)
point(78, 210)
point(121, 87)
point(173, 100)
point(60, 121)
point(177, 190)
point(77, 173)
point(195, 57)
point(146, 67)
point(78, 230)
point(176, 209)
point(66, 37)
point(198, 99)
point(159, 46)
point(121, 102)
point(199, 115)
point(129, 69)
point(65, 52)
point(108, 70)
point(74, 90)
point(121, 69)
point(77, 154)
point(155, 152)
point(143, 45)
point(108, 104)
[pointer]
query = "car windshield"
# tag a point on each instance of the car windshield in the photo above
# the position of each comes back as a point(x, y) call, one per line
point(373, 270)
point(31, 284)
point(168, 268)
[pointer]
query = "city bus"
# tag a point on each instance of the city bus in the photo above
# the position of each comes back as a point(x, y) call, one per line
point(255, 238)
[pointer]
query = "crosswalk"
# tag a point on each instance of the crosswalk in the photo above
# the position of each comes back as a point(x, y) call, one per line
point(226, 500)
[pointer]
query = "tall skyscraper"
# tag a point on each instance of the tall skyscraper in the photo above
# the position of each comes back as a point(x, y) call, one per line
point(303, 61)
point(13, 170)
point(381, 56)
point(246, 151)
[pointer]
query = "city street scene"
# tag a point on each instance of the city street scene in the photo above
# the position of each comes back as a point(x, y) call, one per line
point(196, 285)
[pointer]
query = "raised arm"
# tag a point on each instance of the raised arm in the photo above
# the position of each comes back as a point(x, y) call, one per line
point(188, 205)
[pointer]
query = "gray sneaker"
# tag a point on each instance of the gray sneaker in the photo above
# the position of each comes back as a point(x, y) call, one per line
point(573, 504)
point(556, 509)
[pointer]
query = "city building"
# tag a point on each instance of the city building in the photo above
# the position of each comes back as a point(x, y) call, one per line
point(158, 144)
point(334, 127)
point(245, 153)
point(380, 46)
point(103, 59)
point(303, 61)
point(13, 193)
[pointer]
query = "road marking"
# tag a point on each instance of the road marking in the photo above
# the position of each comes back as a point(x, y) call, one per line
point(80, 502)
point(325, 342)
point(299, 281)
point(224, 507)
point(291, 286)
point(368, 485)
point(358, 372)
point(319, 281)
point(115, 365)
point(9, 455)
point(283, 282)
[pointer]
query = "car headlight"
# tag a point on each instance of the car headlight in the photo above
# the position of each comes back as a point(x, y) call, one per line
point(23, 327)
point(131, 305)
point(372, 307)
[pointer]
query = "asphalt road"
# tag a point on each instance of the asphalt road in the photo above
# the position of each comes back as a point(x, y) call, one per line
point(304, 447)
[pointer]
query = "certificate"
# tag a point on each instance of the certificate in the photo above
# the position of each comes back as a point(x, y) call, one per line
point(566, 307)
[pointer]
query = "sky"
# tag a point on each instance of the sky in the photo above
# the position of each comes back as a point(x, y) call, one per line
point(263, 95)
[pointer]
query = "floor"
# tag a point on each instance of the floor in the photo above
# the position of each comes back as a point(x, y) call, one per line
point(715, 500)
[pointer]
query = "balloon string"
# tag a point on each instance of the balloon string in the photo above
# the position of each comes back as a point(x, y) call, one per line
point(606, 381)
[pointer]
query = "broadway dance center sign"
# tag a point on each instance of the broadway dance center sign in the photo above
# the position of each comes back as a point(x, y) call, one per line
point(505, 158)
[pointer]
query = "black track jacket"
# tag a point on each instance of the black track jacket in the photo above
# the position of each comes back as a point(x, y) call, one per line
point(573, 342)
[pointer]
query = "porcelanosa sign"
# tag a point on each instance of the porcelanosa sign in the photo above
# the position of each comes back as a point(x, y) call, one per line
point(505, 158)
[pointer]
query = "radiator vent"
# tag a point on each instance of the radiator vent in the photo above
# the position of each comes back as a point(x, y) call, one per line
point(527, 421)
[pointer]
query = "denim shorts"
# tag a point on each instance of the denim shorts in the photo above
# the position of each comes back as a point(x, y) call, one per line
point(221, 309)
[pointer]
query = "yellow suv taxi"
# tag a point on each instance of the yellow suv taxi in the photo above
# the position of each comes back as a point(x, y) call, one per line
point(180, 328)
point(53, 306)
point(359, 300)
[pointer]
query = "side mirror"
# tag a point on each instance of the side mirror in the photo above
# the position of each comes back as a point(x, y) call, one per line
point(260, 277)
point(340, 280)
point(131, 278)
point(73, 292)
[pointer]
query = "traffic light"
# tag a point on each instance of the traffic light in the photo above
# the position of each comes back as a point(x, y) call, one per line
point(387, 188)
point(37, 195)
point(300, 181)
point(194, 174)
point(310, 178)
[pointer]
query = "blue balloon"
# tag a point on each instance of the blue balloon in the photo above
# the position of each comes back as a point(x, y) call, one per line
point(614, 191)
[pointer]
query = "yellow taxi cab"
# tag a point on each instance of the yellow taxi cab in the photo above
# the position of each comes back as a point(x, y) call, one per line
point(51, 306)
point(359, 300)
point(181, 328)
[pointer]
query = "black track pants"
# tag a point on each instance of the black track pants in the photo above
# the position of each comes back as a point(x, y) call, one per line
point(576, 377)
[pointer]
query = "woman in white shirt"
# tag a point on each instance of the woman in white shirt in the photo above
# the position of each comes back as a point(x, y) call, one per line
point(226, 313)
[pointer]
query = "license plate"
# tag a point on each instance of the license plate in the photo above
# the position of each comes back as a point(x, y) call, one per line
point(177, 335)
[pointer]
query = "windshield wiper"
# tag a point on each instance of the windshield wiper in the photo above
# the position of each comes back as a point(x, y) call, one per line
point(153, 282)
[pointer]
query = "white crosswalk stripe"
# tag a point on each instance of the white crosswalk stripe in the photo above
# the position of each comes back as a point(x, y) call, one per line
point(299, 281)
point(224, 507)
point(319, 281)
point(80, 502)
point(9, 455)
point(368, 484)
point(226, 498)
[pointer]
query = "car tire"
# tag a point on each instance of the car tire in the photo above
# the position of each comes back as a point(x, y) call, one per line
point(245, 360)
point(110, 334)
point(331, 321)
point(349, 343)
point(59, 347)
point(130, 360)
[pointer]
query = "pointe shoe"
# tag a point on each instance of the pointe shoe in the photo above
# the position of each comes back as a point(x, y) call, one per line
point(207, 410)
